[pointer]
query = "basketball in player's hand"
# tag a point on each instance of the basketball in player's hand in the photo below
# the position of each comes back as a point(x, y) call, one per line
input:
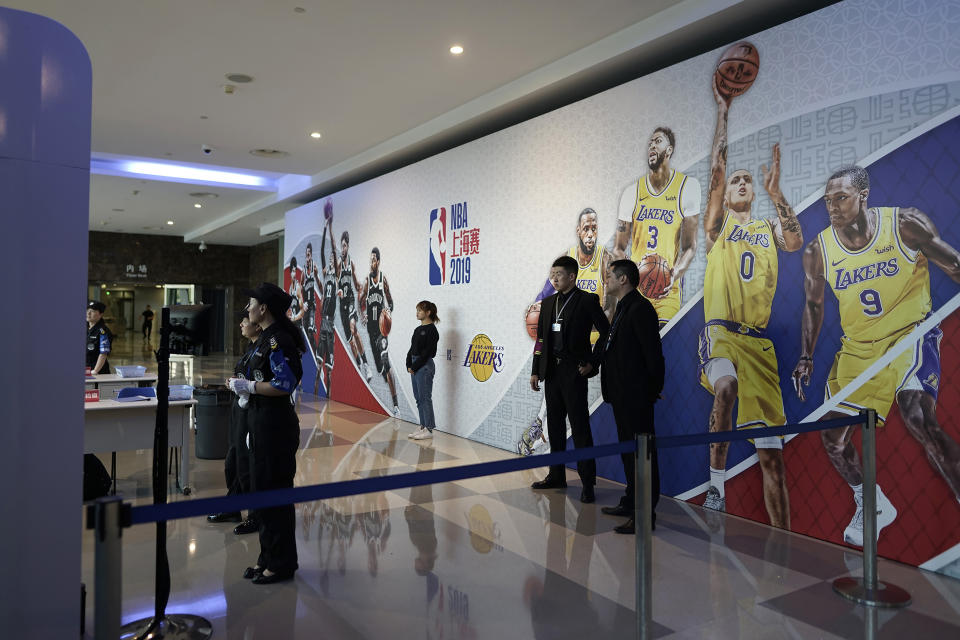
point(533, 319)
point(385, 322)
point(737, 69)
point(328, 209)
point(654, 275)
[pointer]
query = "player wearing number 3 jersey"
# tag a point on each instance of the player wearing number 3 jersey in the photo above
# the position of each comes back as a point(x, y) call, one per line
point(875, 261)
point(737, 360)
point(658, 215)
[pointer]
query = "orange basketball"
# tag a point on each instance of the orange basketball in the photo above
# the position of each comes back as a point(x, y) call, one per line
point(385, 322)
point(533, 319)
point(737, 69)
point(654, 274)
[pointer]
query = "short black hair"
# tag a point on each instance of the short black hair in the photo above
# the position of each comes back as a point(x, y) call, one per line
point(293, 263)
point(310, 247)
point(567, 263)
point(858, 176)
point(626, 268)
point(345, 236)
point(585, 212)
point(671, 138)
point(376, 252)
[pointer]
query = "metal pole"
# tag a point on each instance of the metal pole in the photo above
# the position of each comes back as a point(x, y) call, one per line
point(644, 539)
point(869, 590)
point(104, 518)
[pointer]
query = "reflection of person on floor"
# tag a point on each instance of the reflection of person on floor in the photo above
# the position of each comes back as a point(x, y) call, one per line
point(421, 526)
point(883, 294)
point(560, 603)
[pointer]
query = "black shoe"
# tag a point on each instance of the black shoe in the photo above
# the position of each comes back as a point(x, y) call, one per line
point(281, 576)
point(586, 496)
point(225, 517)
point(252, 572)
point(549, 483)
point(247, 526)
point(626, 528)
point(618, 510)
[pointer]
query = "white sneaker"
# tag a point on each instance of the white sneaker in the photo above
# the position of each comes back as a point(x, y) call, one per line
point(419, 429)
point(886, 514)
point(714, 501)
point(421, 434)
point(366, 371)
point(396, 411)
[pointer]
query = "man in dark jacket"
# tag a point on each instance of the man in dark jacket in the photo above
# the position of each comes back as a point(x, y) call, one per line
point(632, 376)
point(564, 360)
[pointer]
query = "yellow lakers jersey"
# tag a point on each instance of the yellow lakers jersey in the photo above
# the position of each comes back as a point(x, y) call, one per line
point(657, 218)
point(881, 288)
point(741, 276)
point(589, 277)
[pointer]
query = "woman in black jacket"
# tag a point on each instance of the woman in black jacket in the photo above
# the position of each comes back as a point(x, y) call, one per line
point(423, 348)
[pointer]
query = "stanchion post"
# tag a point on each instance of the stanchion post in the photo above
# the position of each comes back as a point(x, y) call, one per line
point(642, 499)
point(869, 590)
point(104, 517)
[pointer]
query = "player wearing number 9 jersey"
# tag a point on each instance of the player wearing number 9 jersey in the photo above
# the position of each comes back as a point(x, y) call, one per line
point(737, 360)
point(876, 263)
point(658, 214)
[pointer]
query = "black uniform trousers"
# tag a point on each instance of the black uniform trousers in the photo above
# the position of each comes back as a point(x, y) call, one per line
point(566, 393)
point(274, 439)
point(632, 418)
point(236, 467)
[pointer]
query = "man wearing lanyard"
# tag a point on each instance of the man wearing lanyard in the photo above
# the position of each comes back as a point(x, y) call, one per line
point(99, 338)
point(563, 360)
point(632, 376)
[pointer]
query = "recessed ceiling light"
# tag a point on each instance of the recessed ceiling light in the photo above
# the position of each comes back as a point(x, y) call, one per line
point(239, 78)
point(316, 135)
point(197, 205)
point(456, 49)
point(169, 221)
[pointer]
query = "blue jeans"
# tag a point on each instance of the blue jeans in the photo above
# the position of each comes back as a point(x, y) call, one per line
point(423, 392)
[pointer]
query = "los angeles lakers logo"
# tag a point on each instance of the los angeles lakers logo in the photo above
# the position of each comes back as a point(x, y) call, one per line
point(484, 532)
point(483, 357)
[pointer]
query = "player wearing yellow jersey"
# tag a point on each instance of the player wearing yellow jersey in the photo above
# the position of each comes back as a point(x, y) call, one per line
point(876, 262)
point(591, 276)
point(658, 214)
point(737, 360)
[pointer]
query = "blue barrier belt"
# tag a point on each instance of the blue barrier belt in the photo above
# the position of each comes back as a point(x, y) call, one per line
point(262, 499)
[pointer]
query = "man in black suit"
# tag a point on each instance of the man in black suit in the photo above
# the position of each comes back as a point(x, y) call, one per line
point(564, 360)
point(632, 376)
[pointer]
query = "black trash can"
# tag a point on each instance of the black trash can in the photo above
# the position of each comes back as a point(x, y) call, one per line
point(213, 421)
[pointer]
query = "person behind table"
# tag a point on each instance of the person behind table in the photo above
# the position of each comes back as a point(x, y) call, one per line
point(99, 339)
point(276, 369)
point(420, 366)
point(147, 322)
point(236, 466)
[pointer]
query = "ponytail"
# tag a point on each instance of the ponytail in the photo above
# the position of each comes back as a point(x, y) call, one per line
point(430, 309)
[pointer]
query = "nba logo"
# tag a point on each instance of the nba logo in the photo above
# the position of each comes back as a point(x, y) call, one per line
point(438, 246)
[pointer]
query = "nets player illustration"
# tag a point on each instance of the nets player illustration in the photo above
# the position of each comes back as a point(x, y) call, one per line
point(658, 215)
point(591, 276)
point(374, 297)
point(296, 310)
point(876, 261)
point(308, 289)
point(328, 291)
point(737, 360)
point(347, 284)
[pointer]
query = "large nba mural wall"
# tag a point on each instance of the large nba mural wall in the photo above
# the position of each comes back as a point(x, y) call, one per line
point(793, 202)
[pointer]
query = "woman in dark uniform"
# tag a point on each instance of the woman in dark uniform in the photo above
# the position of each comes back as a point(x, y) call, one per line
point(276, 370)
point(99, 338)
point(236, 467)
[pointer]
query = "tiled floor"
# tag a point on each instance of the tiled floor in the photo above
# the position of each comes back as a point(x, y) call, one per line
point(488, 557)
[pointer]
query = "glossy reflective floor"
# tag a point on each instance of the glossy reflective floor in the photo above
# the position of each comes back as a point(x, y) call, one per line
point(488, 557)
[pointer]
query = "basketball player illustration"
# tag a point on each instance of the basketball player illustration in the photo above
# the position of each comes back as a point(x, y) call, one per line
point(376, 300)
point(658, 215)
point(308, 287)
point(737, 359)
point(347, 284)
point(876, 261)
point(328, 293)
point(295, 312)
point(591, 276)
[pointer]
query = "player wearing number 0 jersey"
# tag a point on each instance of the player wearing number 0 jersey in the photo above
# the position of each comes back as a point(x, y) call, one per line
point(737, 360)
point(876, 263)
point(658, 214)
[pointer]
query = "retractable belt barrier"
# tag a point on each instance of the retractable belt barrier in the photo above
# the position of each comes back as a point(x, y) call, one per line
point(865, 591)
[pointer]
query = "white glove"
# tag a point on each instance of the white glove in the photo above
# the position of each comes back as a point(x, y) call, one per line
point(241, 387)
point(243, 400)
